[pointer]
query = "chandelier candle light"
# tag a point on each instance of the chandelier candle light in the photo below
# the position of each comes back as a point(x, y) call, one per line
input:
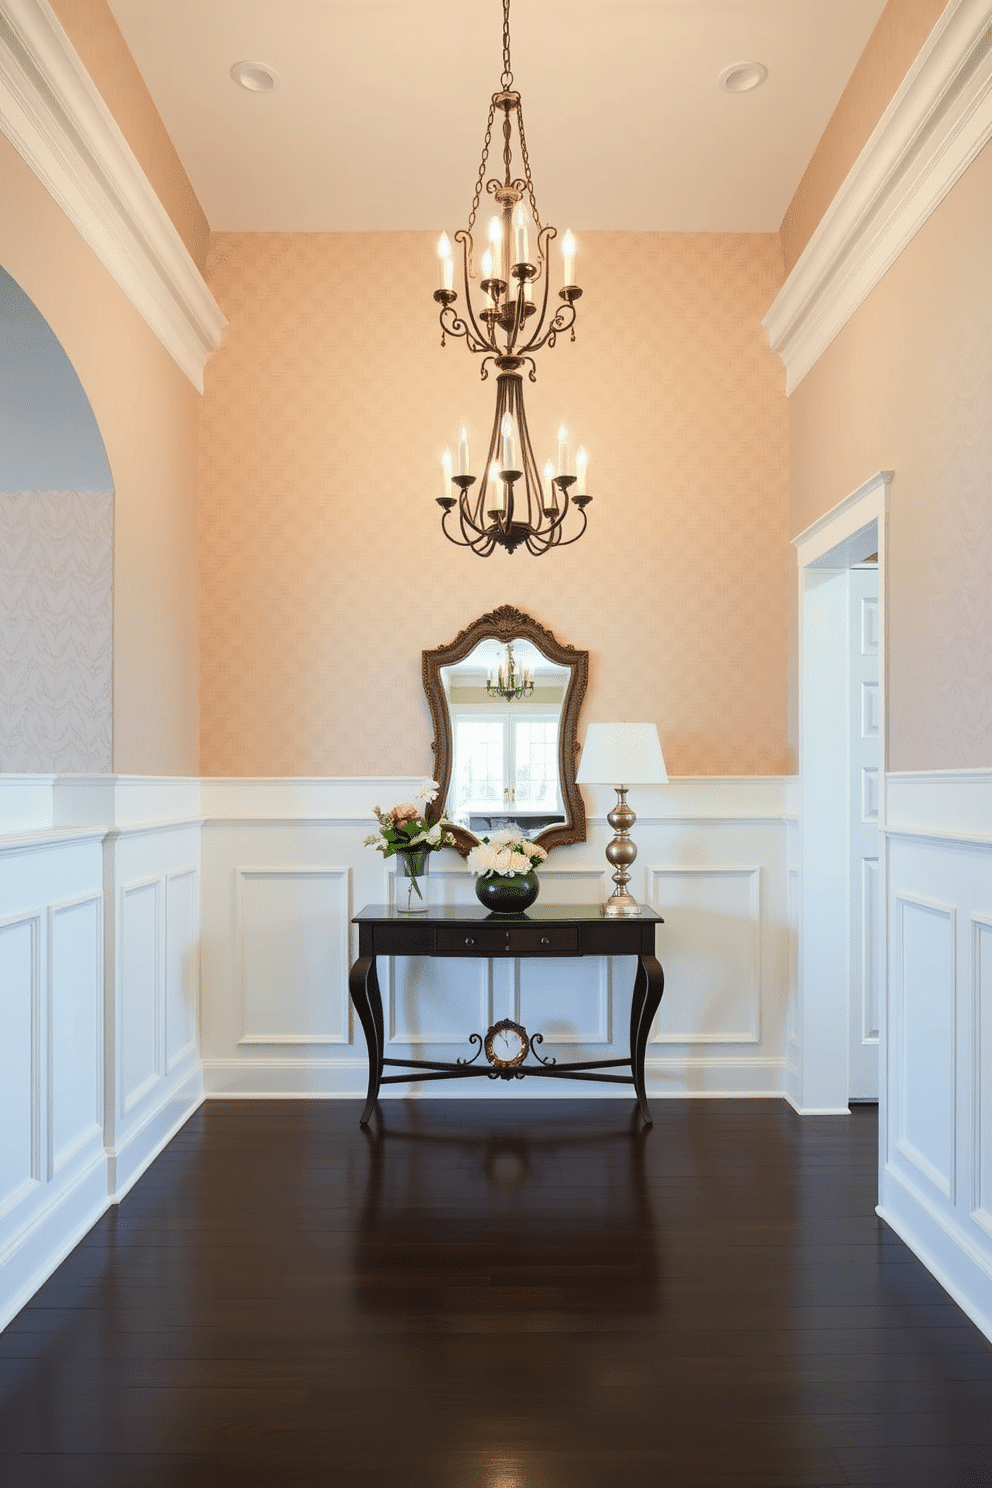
point(513, 506)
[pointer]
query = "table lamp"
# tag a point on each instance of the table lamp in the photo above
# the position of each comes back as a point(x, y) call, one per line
point(631, 753)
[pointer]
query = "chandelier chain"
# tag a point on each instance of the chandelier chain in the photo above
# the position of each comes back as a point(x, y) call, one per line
point(482, 167)
point(507, 78)
point(527, 175)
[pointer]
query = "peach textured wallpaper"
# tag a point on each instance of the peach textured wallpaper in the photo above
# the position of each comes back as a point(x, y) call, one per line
point(902, 29)
point(323, 571)
point(907, 386)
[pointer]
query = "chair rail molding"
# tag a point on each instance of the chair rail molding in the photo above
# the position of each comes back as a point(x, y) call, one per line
point(937, 122)
point(53, 115)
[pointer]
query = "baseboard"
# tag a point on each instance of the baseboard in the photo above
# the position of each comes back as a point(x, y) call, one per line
point(39, 1249)
point(963, 1270)
point(141, 1147)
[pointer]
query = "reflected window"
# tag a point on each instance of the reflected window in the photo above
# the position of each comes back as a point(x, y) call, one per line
point(505, 768)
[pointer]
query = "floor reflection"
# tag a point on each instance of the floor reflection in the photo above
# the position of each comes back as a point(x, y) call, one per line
point(536, 1231)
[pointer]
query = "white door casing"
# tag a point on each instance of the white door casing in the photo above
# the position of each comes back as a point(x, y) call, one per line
point(864, 787)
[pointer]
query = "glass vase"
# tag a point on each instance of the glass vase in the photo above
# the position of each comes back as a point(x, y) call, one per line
point(410, 889)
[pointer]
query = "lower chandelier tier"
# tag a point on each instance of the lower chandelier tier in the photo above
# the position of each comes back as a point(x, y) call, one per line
point(513, 507)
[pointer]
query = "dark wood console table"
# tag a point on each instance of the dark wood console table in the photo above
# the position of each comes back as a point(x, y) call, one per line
point(548, 930)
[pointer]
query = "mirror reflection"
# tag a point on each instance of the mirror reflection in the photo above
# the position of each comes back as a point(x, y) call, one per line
point(505, 702)
point(505, 698)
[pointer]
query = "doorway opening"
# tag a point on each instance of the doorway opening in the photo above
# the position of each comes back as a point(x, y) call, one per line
point(839, 1016)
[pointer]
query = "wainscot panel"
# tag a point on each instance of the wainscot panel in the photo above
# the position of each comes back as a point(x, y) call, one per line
point(53, 1167)
point(936, 1158)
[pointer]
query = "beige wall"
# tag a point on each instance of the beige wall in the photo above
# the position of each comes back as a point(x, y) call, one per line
point(902, 28)
point(103, 51)
point(147, 414)
point(907, 385)
point(323, 570)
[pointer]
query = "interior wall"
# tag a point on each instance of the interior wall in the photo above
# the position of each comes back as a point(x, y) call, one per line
point(907, 386)
point(902, 29)
point(323, 569)
point(147, 413)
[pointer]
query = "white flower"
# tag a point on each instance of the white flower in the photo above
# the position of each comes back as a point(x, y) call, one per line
point(519, 863)
point(538, 854)
point(428, 790)
point(420, 837)
point(433, 836)
point(505, 836)
point(482, 859)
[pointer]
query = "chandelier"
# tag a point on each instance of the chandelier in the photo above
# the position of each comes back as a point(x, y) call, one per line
point(511, 681)
point(506, 321)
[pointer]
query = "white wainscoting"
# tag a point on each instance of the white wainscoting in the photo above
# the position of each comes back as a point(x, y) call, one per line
point(284, 871)
point(53, 1167)
point(935, 1185)
point(99, 1002)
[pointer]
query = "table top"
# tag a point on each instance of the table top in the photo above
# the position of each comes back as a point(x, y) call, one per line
point(538, 914)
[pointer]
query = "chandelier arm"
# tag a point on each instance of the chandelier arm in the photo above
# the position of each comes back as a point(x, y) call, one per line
point(452, 323)
point(477, 341)
point(566, 542)
point(562, 321)
point(537, 340)
point(471, 531)
point(507, 503)
point(532, 475)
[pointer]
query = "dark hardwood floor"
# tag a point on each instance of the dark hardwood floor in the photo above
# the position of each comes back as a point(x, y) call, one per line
point(498, 1294)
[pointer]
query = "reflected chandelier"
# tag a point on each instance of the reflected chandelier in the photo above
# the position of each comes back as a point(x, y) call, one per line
point(506, 323)
point(511, 681)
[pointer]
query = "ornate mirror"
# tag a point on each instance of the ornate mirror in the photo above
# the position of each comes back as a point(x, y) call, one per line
point(505, 699)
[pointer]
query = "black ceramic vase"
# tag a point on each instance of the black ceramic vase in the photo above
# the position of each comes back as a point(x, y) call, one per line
point(505, 894)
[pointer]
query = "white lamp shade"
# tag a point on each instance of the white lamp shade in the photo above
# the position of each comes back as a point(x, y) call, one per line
point(622, 754)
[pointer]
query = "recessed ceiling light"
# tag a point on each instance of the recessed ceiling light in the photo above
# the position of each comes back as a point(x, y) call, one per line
point(255, 76)
point(741, 77)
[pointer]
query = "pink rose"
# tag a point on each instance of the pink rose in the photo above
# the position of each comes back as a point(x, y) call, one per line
point(405, 812)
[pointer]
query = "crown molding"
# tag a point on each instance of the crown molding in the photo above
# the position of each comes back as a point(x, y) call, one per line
point(54, 117)
point(936, 124)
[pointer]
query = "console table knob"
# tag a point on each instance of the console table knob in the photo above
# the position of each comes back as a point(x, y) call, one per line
point(545, 940)
point(469, 940)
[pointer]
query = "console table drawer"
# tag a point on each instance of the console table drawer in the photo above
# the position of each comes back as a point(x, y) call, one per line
point(509, 940)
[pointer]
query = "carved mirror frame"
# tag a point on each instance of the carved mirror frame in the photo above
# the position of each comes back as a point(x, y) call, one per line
point(509, 624)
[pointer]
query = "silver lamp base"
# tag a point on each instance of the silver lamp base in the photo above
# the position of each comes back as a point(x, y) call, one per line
point(621, 905)
point(621, 853)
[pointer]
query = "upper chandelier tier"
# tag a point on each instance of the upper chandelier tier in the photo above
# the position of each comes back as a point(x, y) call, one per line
point(507, 319)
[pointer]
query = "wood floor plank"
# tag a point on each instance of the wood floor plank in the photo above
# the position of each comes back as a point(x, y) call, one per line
point(497, 1294)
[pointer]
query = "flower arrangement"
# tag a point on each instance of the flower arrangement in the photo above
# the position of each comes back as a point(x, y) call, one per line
point(405, 829)
point(505, 853)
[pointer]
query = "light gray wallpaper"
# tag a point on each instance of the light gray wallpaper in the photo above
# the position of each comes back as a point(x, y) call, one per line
point(56, 631)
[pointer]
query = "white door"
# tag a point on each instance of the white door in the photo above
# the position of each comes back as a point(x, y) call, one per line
point(864, 786)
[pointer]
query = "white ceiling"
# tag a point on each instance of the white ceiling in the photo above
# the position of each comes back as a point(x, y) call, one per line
point(379, 120)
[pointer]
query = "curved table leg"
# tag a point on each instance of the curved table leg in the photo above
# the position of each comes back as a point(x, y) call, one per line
point(363, 985)
point(649, 984)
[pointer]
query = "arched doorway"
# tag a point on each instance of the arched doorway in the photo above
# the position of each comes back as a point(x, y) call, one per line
point(56, 556)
